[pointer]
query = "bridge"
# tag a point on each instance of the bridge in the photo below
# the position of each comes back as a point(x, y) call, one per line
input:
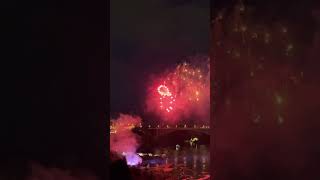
point(160, 131)
point(163, 130)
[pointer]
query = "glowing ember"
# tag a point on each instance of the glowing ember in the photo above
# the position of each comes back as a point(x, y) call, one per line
point(163, 90)
point(166, 98)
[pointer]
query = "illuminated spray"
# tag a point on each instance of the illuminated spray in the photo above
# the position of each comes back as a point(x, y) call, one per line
point(123, 141)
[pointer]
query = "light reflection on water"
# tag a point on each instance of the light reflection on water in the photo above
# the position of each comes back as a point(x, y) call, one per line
point(189, 162)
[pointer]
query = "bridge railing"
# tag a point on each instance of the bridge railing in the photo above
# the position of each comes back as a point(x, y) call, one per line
point(112, 128)
point(176, 127)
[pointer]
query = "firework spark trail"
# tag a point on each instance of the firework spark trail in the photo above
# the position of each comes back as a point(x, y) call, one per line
point(181, 92)
point(123, 141)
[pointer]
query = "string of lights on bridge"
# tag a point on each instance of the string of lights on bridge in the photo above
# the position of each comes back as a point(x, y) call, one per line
point(176, 126)
point(185, 126)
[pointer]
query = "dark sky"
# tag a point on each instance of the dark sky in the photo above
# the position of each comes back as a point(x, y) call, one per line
point(53, 84)
point(148, 36)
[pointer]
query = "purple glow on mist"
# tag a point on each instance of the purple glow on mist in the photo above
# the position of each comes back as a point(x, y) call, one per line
point(133, 159)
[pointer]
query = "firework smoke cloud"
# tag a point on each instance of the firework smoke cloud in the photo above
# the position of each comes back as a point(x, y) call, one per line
point(182, 91)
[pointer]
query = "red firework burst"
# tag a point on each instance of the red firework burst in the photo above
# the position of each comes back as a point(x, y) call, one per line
point(182, 91)
point(167, 100)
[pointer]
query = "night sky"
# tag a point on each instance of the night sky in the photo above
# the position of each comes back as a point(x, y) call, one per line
point(146, 38)
point(53, 81)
